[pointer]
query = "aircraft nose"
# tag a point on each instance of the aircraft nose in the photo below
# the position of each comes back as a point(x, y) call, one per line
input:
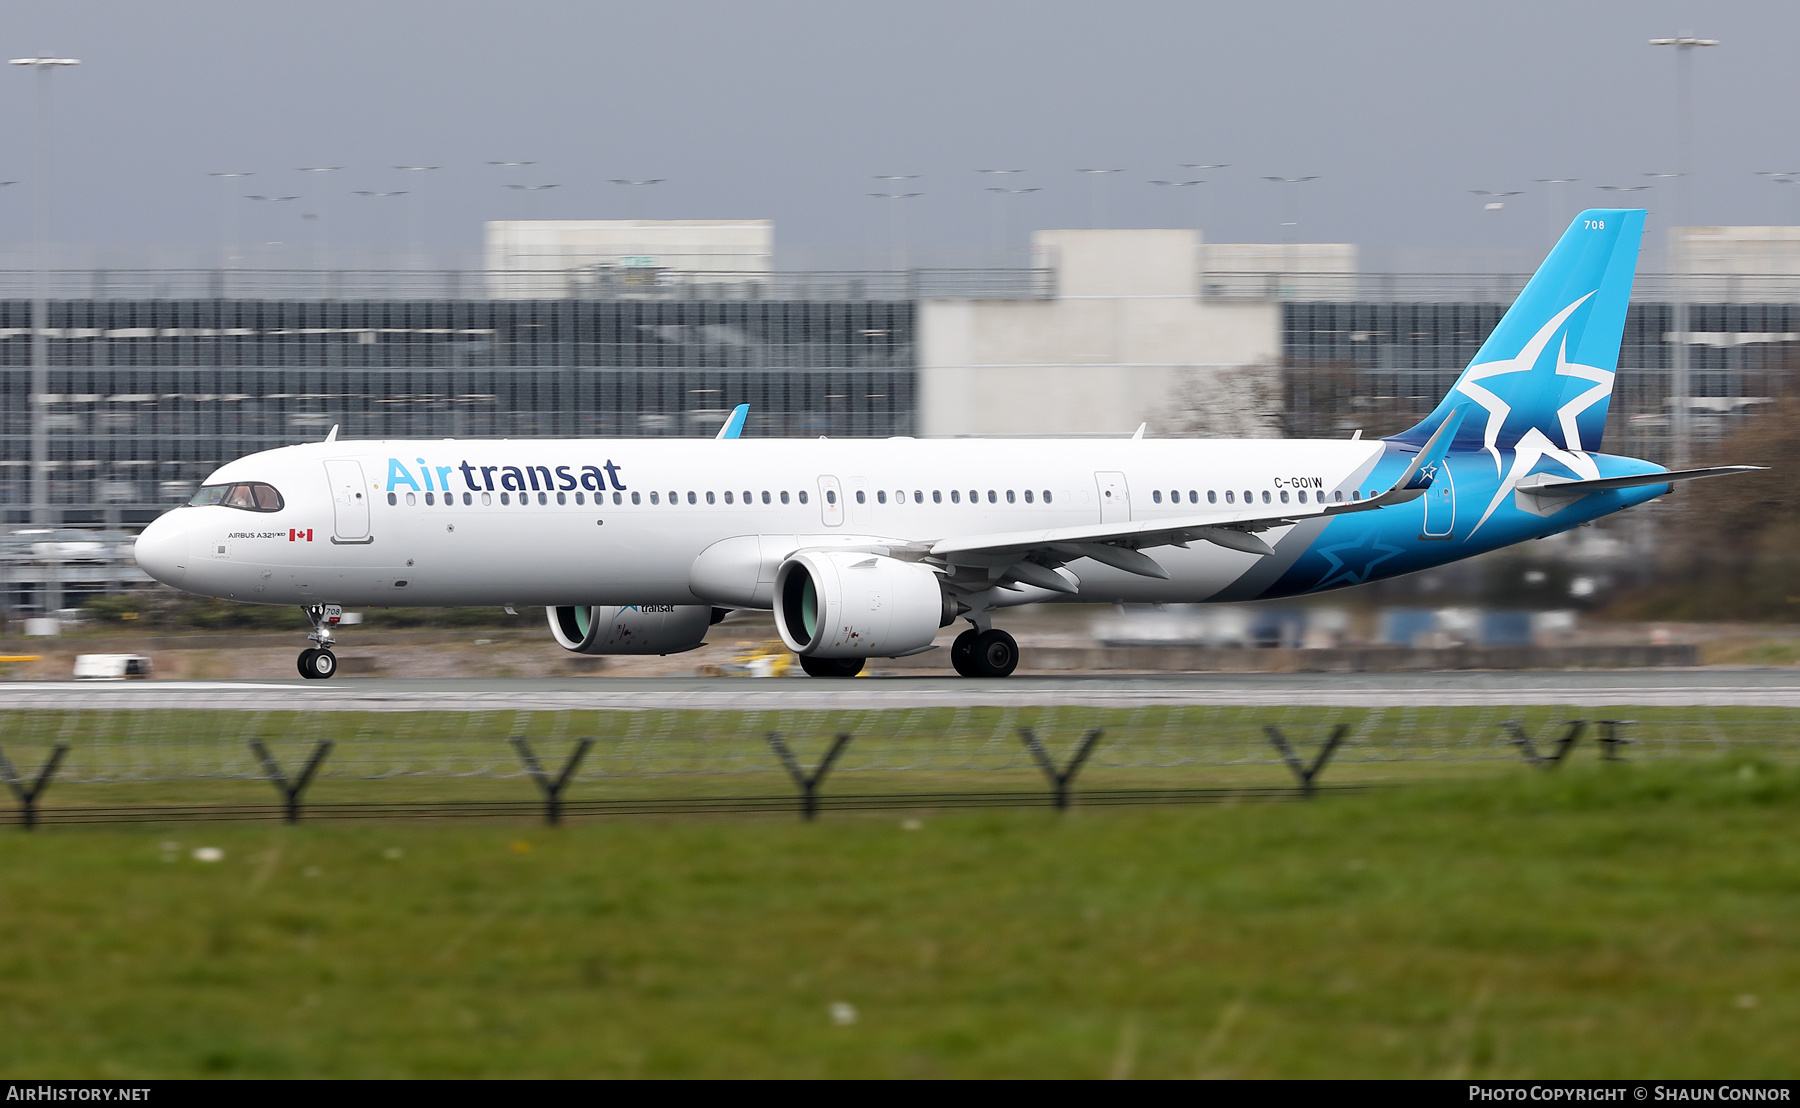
point(162, 550)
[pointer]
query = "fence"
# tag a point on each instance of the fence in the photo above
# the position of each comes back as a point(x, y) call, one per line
point(78, 764)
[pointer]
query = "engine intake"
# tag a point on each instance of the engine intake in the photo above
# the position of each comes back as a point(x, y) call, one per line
point(841, 604)
point(631, 629)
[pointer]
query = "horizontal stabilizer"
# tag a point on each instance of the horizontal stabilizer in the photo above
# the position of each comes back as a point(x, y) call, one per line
point(1555, 487)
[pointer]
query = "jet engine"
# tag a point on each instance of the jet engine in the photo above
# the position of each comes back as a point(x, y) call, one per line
point(631, 629)
point(842, 604)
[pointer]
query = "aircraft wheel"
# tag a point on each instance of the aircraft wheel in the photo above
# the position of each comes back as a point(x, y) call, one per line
point(831, 667)
point(996, 653)
point(321, 664)
point(962, 653)
point(301, 663)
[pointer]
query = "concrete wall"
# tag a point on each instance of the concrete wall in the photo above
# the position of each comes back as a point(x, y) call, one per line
point(1127, 339)
point(551, 257)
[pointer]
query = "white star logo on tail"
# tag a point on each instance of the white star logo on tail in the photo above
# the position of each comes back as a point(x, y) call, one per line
point(1499, 409)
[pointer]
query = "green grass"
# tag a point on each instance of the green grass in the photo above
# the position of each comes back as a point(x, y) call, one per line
point(1603, 920)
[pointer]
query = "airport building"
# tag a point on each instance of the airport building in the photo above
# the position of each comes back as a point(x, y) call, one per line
point(639, 328)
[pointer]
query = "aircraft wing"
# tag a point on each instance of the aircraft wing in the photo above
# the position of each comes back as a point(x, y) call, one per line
point(1033, 557)
point(1557, 486)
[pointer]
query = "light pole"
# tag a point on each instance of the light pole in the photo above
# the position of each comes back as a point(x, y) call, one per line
point(1202, 167)
point(637, 207)
point(1098, 176)
point(1495, 202)
point(997, 206)
point(1001, 193)
point(1553, 202)
point(1184, 185)
point(894, 218)
point(379, 195)
point(533, 190)
point(321, 235)
point(227, 220)
point(40, 302)
point(1784, 177)
point(416, 215)
point(1684, 49)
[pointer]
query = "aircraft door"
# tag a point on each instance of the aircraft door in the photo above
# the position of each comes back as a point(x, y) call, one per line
point(1440, 505)
point(349, 501)
point(1115, 498)
point(831, 502)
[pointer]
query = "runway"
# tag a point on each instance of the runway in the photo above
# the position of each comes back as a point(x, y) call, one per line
point(1750, 687)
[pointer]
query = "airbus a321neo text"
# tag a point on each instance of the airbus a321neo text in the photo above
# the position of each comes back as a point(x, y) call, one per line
point(867, 548)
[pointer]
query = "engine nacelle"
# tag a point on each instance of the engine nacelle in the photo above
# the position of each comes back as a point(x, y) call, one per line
point(840, 604)
point(632, 629)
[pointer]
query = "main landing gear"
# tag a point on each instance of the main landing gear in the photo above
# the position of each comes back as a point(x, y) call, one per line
point(319, 663)
point(990, 653)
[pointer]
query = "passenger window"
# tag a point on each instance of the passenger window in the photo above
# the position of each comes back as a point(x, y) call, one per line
point(974, 496)
point(619, 498)
point(727, 496)
point(393, 499)
point(1302, 496)
point(1337, 495)
point(860, 498)
point(487, 499)
point(1265, 496)
point(431, 499)
point(955, 496)
point(1230, 497)
point(1027, 496)
point(1212, 496)
point(709, 497)
point(561, 499)
point(992, 499)
point(802, 495)
point(579, 499)
point(653, 499)
point(784, 496)
point(1009, 497)
point(543, 498)
point(1193, 496)
point(1156, 496)
point(691, 498)
point(505, 498)
point(411, 500)
point(468, 499)
point(1250, 497)
point(634, 498)
point(1284, 498)
point(880, 496)
point(831, 496)
point(766, 497)
point(1046, 496)
point(918, 496)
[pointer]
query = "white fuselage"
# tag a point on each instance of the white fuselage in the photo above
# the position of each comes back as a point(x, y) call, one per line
point(622, 521)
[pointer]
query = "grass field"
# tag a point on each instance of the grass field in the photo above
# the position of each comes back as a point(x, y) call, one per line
point(1603, 920)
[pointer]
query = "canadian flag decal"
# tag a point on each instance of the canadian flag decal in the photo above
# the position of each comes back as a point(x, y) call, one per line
point(299, 536)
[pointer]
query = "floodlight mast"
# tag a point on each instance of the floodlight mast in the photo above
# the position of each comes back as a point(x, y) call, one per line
point(1684, 48)
point(40, 307)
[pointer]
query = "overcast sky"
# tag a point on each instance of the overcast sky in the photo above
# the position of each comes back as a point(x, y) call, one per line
point(788, 110)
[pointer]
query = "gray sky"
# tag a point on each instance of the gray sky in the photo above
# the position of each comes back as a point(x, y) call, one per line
point(785, 110)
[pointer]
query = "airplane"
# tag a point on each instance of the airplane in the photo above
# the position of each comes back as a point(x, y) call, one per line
point(867, 548)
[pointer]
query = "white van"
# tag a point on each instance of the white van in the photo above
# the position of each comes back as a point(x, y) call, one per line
point(111, 667)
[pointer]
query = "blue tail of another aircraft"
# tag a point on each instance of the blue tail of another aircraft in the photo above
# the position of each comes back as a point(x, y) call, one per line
point(1548, 366)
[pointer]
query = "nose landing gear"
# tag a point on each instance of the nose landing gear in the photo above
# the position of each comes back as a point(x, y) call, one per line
point(319, 663)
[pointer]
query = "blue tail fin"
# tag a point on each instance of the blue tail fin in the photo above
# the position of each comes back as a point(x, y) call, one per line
point(1549, 364)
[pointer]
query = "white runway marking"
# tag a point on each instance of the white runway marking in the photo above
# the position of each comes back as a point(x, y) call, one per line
point(1660, 688)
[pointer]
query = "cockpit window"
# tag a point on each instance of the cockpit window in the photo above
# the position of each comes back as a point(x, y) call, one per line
point(250, 496)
